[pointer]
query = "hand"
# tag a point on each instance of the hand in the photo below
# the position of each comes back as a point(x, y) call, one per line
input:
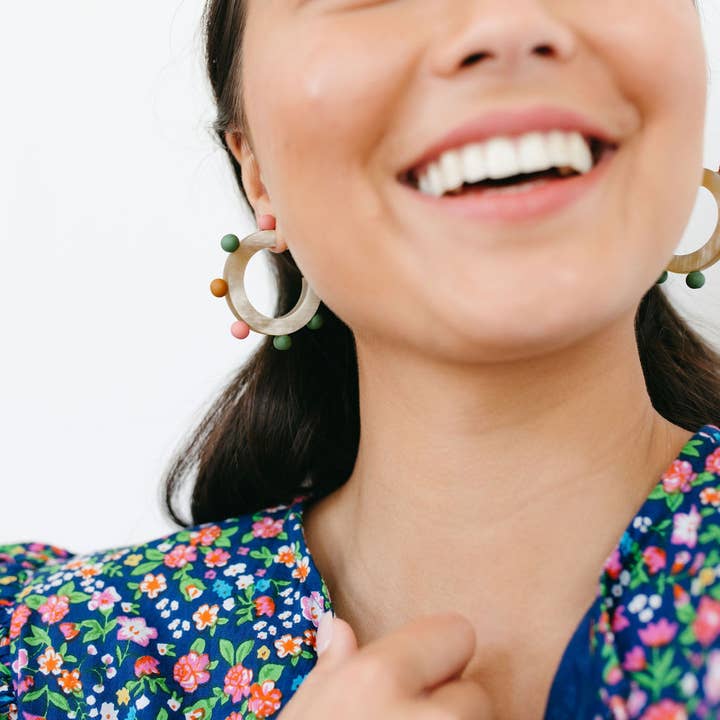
point(409, 674)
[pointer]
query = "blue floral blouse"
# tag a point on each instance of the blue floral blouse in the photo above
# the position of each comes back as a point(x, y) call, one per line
point(219, 620)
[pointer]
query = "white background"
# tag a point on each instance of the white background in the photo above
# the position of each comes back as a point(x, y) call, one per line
point(113, 197)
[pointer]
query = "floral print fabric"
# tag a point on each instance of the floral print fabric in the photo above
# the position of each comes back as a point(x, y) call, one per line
point(219, 620)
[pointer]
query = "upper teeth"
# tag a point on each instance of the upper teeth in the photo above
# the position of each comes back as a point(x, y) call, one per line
point(502, 157)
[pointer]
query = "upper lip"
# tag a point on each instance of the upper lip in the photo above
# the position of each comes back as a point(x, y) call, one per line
point(513, 122)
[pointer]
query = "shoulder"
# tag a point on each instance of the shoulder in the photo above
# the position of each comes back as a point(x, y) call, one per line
point(660, 630)
point(221, 613)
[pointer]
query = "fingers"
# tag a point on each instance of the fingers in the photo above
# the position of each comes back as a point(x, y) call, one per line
point(460, 700)
point(425, 652)
point(343, 644)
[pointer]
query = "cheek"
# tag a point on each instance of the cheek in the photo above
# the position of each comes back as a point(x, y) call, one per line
point(318, 135)
point(663, 76)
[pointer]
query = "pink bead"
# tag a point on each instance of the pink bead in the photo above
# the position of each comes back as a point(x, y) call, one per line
point(240, 330)
point(266, 222)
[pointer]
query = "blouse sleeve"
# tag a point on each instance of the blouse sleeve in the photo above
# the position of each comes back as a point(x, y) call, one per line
point(18, 565)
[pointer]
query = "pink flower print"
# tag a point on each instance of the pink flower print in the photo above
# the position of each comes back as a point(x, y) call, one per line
point(264, 698)
point(685, 526)
point(69, 630)
point(180, 555)
point(614, 675)
point(655, 559)
point(682, 558)
point(54, 608)
point(665, 710)
point(636, 702)
point(619, 621)
point(21, 662)
point(712, 462)
point(313, 606)
point(217, 558)
point(189, 671)
point(18, 620)
point(613, 566)
point(146, 665)
point(205, 536)
point(135, 629)
point(237, 682)
point(706, 625)
point(711, 683)
point(678, 477)
point(635, 659)
point(698, 562)
point(618, 708)
point(264, 605)
point(267, 528)
point(104, 600)
point(659, 633)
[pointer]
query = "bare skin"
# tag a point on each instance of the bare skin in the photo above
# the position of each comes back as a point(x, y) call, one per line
point(507, 436)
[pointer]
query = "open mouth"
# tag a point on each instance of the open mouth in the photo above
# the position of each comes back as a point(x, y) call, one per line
point(523, 181)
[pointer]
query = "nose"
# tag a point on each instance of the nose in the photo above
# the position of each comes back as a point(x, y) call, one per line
point(506, 36)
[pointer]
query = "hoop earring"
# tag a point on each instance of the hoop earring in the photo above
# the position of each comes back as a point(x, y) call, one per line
point(705, 256)
point(232, 287)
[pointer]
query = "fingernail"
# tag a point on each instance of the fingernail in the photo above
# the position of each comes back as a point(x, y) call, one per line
point(324, 631)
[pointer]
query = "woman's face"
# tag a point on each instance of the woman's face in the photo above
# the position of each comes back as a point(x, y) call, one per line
point(343, 95)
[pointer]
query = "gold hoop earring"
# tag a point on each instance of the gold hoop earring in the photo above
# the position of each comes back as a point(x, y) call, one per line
point(232, 287)
point(708, 254)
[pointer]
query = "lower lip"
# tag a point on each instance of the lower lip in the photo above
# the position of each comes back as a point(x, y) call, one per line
point(540, 198)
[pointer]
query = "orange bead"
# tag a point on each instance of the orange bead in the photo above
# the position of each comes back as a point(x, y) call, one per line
point(218, 287)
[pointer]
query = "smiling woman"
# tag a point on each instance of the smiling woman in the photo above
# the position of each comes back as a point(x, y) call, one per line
point(493, 472)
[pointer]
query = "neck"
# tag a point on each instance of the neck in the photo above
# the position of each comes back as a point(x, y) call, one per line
point(464, 462)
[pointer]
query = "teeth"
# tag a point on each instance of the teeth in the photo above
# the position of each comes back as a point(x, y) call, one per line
point(503, 157)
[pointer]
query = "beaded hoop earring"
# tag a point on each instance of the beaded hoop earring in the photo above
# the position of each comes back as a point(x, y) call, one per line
point(705, 256)
point(232, 287)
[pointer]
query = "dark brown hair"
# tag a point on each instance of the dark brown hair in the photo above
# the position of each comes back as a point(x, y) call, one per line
point(288, 422)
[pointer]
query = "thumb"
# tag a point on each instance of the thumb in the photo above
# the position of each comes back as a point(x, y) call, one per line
point(335, 641)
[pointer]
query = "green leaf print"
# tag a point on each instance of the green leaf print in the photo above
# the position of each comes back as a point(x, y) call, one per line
point(34, 601)
point(198, 646)
point(153, 554)
point(712, 534)
point(263, 554)
point(270, 672)
point(35, 694)
point(146, 567)
point(703, 477)
point(162, 714)
point(39, 637)
point(58, 700)
point(243, 651)
point(674, 501)
point(690, 448)
point(227, 651)
point(685, 613)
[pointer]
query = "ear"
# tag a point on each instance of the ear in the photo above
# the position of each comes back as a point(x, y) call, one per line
point(252, 181)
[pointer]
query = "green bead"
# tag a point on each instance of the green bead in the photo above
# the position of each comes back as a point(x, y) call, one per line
point(662, 278)
point(282, 342)
point(230, 243)
point(316, 322)
point(695, 279)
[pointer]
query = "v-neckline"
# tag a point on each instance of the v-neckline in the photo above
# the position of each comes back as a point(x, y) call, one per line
point(573, 658)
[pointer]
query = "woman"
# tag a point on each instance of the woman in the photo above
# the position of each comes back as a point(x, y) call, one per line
point(526, 526)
